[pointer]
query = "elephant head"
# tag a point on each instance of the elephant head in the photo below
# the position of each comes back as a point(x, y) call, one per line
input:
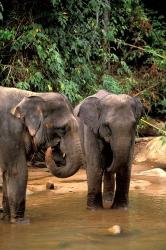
point(113, 119)
point(49, 120)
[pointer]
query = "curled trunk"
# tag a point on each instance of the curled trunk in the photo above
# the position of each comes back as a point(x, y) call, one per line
point(71, 148)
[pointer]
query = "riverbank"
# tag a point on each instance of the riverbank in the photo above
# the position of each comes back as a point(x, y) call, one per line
point(41, 179)
point(145, 177)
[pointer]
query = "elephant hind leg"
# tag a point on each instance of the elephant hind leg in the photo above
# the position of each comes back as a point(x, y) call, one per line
point(108, 189)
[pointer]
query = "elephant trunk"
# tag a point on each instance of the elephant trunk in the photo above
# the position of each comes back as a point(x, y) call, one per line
point(71, 148)
point(122, 152)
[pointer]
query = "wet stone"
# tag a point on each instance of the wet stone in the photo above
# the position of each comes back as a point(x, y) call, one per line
point(50, 186)
point(115, 230)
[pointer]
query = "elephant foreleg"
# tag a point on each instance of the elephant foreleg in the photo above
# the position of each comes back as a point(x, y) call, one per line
point(94, 200)
point(16, 182)
point(122, 190)
point(94, 170)
point(5, 201)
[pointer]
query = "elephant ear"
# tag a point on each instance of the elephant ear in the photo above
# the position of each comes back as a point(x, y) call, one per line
point(89, 113)
point(139, 109)
point(29, 110)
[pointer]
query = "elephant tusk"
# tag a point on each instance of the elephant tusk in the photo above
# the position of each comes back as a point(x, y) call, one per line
point(64, 155)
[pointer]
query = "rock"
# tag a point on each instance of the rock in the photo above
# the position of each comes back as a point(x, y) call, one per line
point(50, 185)
point(140, 157)
point(144, 139)
point(139, 184)
point(36, 188)
point(153, 172)
point(114, 230)
point(154, 152)
point(28, 192)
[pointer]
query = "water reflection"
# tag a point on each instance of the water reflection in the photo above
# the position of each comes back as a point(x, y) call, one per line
point(62, 222)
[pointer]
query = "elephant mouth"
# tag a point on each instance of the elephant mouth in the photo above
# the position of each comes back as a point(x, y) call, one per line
point(58, 156)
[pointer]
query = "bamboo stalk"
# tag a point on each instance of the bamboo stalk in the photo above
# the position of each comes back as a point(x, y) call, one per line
point(159, 129)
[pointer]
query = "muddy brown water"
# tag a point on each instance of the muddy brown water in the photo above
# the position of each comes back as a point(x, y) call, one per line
point(62, 222)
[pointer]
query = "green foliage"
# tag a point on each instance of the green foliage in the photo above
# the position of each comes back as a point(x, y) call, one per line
point(40, 71)
point(163, 139)
point(70, 89)
point(111, 84)
point(78, 47)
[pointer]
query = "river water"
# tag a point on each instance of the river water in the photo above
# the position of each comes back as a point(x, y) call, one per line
point(62, 222)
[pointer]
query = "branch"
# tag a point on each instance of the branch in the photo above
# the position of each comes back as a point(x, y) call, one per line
point(140, 48)
point(163, 132)
point(151, 87)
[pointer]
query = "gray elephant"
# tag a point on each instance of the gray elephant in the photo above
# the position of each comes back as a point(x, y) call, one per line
point(28, 122)
point(108, 124)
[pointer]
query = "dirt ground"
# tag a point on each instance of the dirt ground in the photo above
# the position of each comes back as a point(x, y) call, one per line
point(151, 185)
point(40, 179)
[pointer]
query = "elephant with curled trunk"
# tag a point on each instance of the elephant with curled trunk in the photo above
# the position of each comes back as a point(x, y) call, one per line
point(28, 122)
point(108, 124)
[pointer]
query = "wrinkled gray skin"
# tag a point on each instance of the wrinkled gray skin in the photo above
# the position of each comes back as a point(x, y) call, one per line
point(108, 123)
point(28, 122)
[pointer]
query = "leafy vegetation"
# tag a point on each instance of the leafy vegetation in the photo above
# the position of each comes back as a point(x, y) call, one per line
point(78, 47)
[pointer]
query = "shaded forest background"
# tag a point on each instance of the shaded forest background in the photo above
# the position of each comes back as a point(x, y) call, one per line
point(78, 47)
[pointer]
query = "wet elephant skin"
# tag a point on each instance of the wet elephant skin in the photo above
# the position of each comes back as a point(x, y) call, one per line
point(107, 127)
point(28, 122)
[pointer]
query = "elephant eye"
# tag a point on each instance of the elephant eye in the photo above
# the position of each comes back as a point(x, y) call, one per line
point(61, 131)
point(108, 129)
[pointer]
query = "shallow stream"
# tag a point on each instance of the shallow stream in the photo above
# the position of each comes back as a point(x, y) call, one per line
point(62, 222)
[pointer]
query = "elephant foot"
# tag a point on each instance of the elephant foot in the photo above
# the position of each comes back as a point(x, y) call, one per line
point(94, 201)
point(4, 215)
point(107, 203)
point(5, 218)
point(120, 205)
point(108, 199)
point(20, 221)
point(94, 208)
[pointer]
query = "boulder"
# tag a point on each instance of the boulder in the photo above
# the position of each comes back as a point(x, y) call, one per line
point(154, 172)
point(153, 152)
point(139, 184)
point(29, 192)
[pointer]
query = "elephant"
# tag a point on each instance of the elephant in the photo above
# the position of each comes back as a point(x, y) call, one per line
point(30, 122)
point(107, 127)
